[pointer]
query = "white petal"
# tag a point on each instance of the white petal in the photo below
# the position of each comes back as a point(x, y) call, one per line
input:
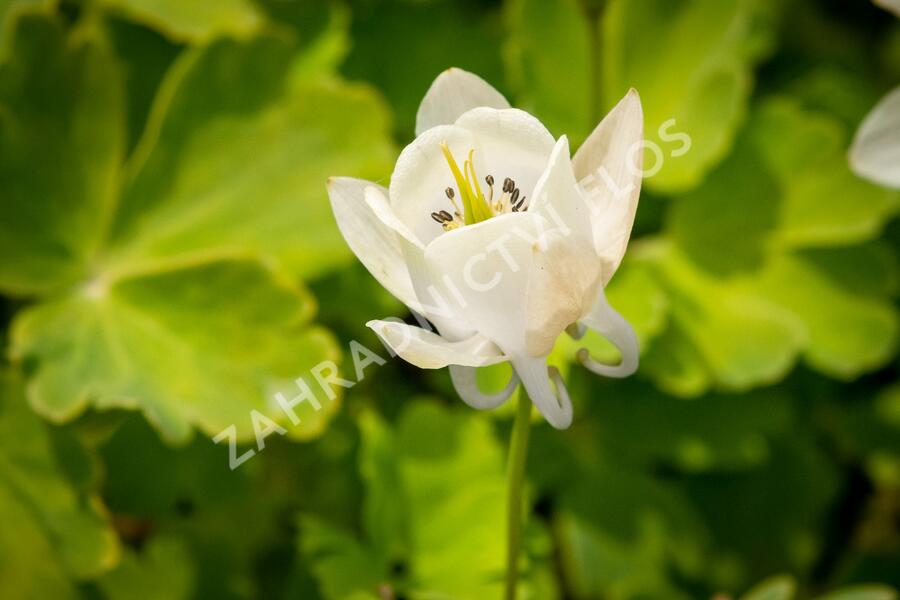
point(608, 166)
point(604, 319)
point(562, 285)
point(378, 203)
point(454, 92)
point(375, 244)
point(511, 143)
point(875, 153)
point(421, 175)
point(565, 275)
point(428, 350)
point(555, 405)
point(466, 385)
point(482, 270)
point(427, 302)
point(891, 5)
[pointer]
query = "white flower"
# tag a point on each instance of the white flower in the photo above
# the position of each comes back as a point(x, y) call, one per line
point(875, 153)
point(491, 232)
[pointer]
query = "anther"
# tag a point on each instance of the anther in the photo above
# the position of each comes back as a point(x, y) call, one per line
point(489, 180)
point(450, 193)
point(514, 197)
point(508, 185)
point(437, 217)
point(446, 216)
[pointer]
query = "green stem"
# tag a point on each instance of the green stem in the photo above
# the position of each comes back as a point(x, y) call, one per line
point(515, 476)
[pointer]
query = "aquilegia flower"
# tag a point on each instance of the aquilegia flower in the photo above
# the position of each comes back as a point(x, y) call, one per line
point(875, 153)
point(501, 240)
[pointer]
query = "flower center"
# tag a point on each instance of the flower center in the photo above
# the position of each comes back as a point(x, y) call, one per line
point(475, 207)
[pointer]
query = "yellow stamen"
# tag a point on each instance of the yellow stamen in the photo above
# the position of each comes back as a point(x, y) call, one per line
point(475, 206)
point(478, 200)
point(461, 183)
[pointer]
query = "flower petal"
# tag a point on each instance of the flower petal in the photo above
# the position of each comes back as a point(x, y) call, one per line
point(454, 92)
point(482, 270)
point(565, 274)
point(604, 319)
point(511, 143)
point(875, 153)
point(427, 301)
point(378, 203)
point(421, 175)
point(562, 283)
point(555, 405)
point(375, 244)
point(608, 167)
point(466, 385)
point(428, 350)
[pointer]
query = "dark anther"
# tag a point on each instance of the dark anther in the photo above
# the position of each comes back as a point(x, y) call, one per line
point(519, 204)
point(437, 217)
point(508, 185)
point(450, 193)
point(446, 216)
point(489, 179)
point(514, 197)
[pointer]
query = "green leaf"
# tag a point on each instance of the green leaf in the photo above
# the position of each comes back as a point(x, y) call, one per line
point(323, 31)
point(862, 592)
point(847, 94)
point(725, 226)
point(224, 520)
point(161, 570)
point(822, 203)
point(867, 429)
point(61, 142)
point(781, 587)
point(675, 365)
point(196, 21)
point(8, 10)
point(343, 566)
point(384, 510)
point(234, 338)
point(738, 227)
point(153, 296)
point(453, 473)
point(621, 534)
point(598, 565)
point(842, 298)
point(782, 528)
point(145, 57)
point(549, 43)
point(691, 62)
point(401, 46)
point(232, 160)
point(51, 534)
point(743, 339)
point(715, 432)
point(435, 481)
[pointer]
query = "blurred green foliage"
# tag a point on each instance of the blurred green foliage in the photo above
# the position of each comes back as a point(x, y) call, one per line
point(169, 262)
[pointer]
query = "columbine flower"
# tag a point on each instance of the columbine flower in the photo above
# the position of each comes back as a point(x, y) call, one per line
point(875, 153)
point(491, 232)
